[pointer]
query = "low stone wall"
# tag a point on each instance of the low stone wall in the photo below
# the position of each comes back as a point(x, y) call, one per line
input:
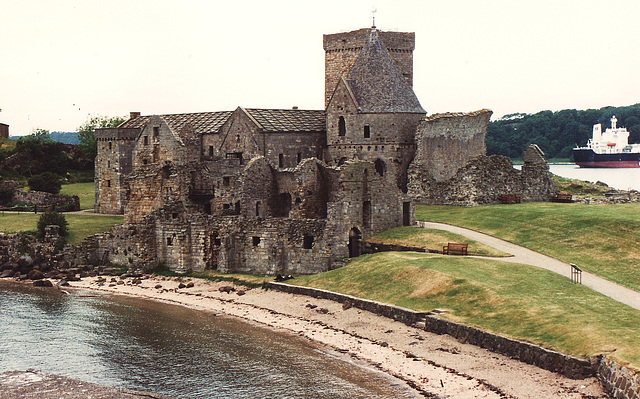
point(57, 201)
point(569, 366)
point(620, 381)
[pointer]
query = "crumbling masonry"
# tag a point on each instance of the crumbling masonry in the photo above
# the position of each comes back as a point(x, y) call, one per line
point(288, 191)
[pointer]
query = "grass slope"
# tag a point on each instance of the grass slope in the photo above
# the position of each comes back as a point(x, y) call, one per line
point(80, 226)
point(602, 239)
point(520, 301)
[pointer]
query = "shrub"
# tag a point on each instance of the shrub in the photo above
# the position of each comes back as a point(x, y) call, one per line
point(6, 194)
point(47, 182)
point(49, 218)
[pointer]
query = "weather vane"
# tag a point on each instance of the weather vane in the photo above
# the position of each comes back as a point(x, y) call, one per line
point(373, 12)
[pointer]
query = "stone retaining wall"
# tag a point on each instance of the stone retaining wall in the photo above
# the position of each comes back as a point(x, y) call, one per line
point(622, 382)
point(569, 366)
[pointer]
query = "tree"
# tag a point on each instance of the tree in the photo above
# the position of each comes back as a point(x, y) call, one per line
point(87, 132)
point(52, 218)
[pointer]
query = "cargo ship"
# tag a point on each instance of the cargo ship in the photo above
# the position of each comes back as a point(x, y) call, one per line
point(608, 149)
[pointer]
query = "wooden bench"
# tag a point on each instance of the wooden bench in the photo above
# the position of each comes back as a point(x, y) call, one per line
point(561, 197)
point(453, 247)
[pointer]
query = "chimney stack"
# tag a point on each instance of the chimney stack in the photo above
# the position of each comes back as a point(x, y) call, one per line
point(133, 115)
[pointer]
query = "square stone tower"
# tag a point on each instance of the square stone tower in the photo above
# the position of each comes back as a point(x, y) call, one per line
point(342, 49)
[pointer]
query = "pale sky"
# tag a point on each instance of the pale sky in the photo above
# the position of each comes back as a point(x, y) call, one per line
point(64, 60)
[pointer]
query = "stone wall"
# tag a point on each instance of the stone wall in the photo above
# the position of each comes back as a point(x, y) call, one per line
point(4, 130)
point(622, 382)
point(55, 201)
point(485, 179)
point(445, 143)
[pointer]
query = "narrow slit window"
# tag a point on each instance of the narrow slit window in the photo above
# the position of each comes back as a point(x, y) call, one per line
point(342, 127)
point(367, 131)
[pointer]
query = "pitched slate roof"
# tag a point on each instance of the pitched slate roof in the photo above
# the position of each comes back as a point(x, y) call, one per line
point(378, 84)
point(202, 122)
point(288, 120)
point(269, 120)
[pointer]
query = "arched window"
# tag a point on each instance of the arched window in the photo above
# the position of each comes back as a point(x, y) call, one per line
point(380, 166)
point(342, 127)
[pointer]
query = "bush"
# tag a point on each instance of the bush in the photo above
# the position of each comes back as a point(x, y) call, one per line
point(6, 194)
point(47, 182)
point(52, 217)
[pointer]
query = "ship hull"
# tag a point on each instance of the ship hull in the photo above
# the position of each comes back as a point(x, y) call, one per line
point(587, 158)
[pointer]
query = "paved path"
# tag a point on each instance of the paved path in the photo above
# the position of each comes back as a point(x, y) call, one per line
point(528, 257)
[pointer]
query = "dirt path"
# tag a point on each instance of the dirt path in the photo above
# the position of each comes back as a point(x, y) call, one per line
point(529, 257)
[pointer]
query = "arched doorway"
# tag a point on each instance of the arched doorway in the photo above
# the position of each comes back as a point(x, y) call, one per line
point(354, 242)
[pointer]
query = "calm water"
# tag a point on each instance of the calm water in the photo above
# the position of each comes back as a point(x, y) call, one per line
point(143, 345)
point(622, 179)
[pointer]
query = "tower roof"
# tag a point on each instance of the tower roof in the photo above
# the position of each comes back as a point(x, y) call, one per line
point(377, 82)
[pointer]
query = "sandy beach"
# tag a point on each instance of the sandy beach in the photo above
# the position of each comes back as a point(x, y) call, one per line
point(436, 365)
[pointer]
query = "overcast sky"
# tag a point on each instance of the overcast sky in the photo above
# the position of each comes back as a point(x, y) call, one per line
point(62, 61)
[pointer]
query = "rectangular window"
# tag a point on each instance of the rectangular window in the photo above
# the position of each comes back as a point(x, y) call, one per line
point(145, 140)
point(169, 241)
point(308, 242)
point(299, 157)
point(280, 160)
point(210, 150)
point(108, 183)
point(156, 131)
point(367, 131)
point(255, 241)
point(225, 206)
point(226, 181)
point(110, 145)
point(235, 155)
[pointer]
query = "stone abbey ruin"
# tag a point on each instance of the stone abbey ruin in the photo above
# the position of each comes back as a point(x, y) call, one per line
point(291, 191)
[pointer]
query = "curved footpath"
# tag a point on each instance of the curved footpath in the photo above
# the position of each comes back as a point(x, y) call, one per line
point(529, 257)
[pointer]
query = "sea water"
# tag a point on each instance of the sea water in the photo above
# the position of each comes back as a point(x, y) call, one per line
point(620, 178)
point(150, 346)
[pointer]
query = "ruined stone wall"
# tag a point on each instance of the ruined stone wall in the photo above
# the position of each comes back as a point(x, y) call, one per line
point(342, 49)
point(4, 130)
point(447, 142)
point(130, 245)
point(484, 180)
point(58, 202)
point(114, 161)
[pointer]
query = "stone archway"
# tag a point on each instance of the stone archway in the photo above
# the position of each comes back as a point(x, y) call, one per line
point(355, 238)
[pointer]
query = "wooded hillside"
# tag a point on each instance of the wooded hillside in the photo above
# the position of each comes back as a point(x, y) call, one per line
point(557, 133)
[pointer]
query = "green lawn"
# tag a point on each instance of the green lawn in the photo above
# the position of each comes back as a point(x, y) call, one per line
point(602, 239)
point(85, 191)
point(80, 226)
point(520, 301)
point(431, 240)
